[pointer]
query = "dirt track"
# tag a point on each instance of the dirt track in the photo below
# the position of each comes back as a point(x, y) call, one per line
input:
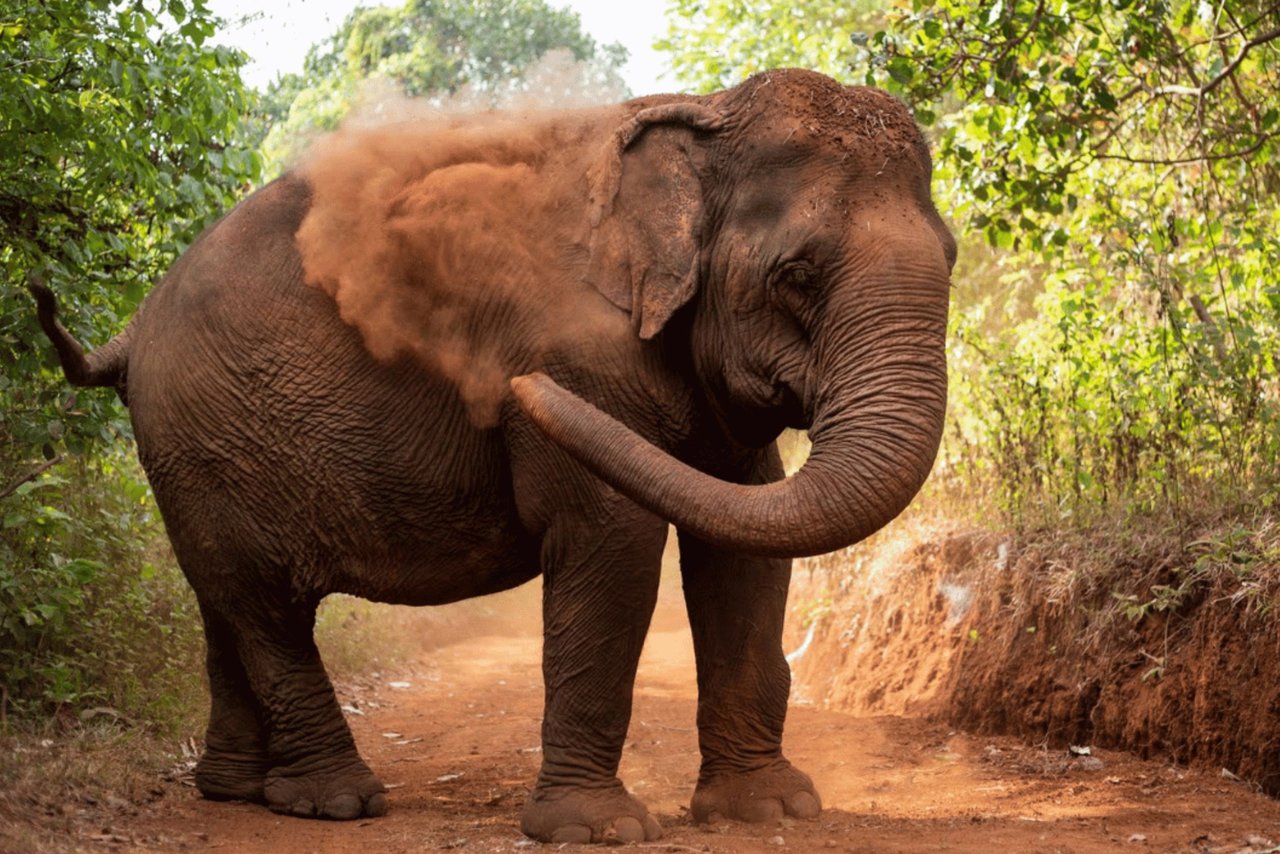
point(458, 746)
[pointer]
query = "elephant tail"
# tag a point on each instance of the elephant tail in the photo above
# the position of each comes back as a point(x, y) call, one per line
point(106, 366)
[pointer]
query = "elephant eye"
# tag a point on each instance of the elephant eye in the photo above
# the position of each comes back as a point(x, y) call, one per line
point(799, 278)
point(795, 288)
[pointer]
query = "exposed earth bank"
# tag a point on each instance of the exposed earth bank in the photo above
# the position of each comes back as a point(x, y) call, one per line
point(1168, 653)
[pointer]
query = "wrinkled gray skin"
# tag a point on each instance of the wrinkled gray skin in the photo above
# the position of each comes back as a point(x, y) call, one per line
point(806, 286)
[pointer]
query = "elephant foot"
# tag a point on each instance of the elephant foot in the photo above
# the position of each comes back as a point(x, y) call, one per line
point(343, 793)
point(767, 794)
point(223, 775)
point(587, 815)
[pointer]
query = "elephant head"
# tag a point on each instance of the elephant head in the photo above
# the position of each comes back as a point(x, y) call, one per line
point(789, 223)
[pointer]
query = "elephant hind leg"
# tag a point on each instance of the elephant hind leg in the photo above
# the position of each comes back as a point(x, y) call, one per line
point(313, 769)
point(234, 763)
point(276, 733)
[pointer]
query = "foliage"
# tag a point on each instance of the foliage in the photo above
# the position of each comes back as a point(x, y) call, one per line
point(90, 616)
point(1044, 100)
point(714, 44)
point(1120, 340)
point(1126, 157)
point(117, 121)
point(425, 48)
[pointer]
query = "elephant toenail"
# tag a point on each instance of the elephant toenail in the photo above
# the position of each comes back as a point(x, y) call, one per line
point(803, 805)
point(303, 806)
point(343, 807)
point(760, 811)
point(576, 833)
point(652, 830)
point(624, 830)
point(376, 805)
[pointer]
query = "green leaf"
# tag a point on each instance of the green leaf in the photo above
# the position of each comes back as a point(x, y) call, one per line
point(900, 69)
point(1104, 98)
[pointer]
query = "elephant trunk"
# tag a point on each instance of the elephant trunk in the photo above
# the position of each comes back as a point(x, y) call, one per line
point(879, 411)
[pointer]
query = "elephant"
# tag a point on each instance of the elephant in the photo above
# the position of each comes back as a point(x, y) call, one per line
point(434, 363)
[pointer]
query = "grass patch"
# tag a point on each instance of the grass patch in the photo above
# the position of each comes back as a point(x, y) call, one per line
point(356, 636)
point(63, 782)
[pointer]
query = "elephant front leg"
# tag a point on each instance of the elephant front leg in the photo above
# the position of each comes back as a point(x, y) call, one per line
point(736, 609)
point(600, 582)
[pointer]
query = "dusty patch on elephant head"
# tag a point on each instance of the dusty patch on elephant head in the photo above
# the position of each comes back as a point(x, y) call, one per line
point(849, 119)
point(459, 242)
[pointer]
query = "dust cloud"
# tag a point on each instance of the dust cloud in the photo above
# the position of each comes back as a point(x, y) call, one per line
point(458, 236)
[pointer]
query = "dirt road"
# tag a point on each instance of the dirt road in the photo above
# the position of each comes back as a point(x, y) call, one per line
point(455, 737)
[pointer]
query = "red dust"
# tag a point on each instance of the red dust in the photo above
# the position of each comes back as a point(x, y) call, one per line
point(461, 241)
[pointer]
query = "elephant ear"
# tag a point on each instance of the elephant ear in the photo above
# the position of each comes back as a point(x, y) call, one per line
point(646, 213)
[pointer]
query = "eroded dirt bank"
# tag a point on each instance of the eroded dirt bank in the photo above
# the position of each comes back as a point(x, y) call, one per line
point(996, 637)
point(455, 734)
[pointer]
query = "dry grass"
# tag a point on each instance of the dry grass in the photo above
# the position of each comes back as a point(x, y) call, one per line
point(1113, 571)
point(1210, 540)
point(1161, 562)
point(63, 785)
point(356, 636)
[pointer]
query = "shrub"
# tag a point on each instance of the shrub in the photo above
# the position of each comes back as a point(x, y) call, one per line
point(94, 612)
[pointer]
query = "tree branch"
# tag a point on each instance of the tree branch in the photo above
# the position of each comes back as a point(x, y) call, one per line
point(1227, 71)
point(1199, 158)
point(29, 476)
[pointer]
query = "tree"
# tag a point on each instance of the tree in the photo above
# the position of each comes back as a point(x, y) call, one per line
point(715, 44)
point(116, 128)
point(116, 123)
point(425, 48)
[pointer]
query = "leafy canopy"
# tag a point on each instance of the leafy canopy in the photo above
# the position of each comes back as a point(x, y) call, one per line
point(1038, 92)
point(715, 44)
point(117, 121)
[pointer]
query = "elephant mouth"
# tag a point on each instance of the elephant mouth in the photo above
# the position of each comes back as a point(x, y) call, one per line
point(789, 406)
point(756, 425)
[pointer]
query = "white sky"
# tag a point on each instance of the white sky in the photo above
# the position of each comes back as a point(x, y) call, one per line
point(282, 30)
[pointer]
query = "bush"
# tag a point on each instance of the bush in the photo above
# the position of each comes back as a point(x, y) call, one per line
point(94, 612)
